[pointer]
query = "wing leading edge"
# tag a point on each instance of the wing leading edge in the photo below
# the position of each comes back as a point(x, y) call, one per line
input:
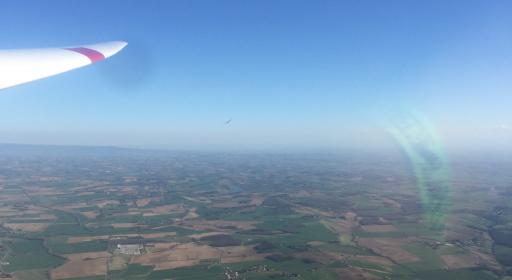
point(24, 65)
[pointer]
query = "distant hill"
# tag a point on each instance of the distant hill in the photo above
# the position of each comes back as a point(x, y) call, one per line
point(58, 150)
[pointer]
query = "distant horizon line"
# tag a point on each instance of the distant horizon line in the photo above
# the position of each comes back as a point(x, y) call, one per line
point(181, 149)
point(276, 150)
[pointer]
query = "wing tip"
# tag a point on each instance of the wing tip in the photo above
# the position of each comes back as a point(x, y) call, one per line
point(108, 49)
point(121, 44)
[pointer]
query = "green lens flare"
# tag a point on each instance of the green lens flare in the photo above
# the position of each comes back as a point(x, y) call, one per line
point(420, 141)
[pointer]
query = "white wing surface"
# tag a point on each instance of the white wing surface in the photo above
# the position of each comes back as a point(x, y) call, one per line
point(24, 65)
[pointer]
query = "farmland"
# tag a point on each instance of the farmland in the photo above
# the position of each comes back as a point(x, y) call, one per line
point(246, 216)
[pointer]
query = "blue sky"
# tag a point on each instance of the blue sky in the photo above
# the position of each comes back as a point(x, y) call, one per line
point(291, 74)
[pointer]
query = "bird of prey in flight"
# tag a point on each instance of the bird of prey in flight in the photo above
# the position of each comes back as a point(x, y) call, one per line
point(227, 122)
point(20, 66)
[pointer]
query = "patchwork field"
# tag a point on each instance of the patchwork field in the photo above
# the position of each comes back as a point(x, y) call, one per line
point(177, 216)
point(82, 265)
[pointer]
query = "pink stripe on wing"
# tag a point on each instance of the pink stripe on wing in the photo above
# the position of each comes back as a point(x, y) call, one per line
point(93, 55)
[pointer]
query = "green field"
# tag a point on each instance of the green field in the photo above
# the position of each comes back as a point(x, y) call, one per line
point(29, 254)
